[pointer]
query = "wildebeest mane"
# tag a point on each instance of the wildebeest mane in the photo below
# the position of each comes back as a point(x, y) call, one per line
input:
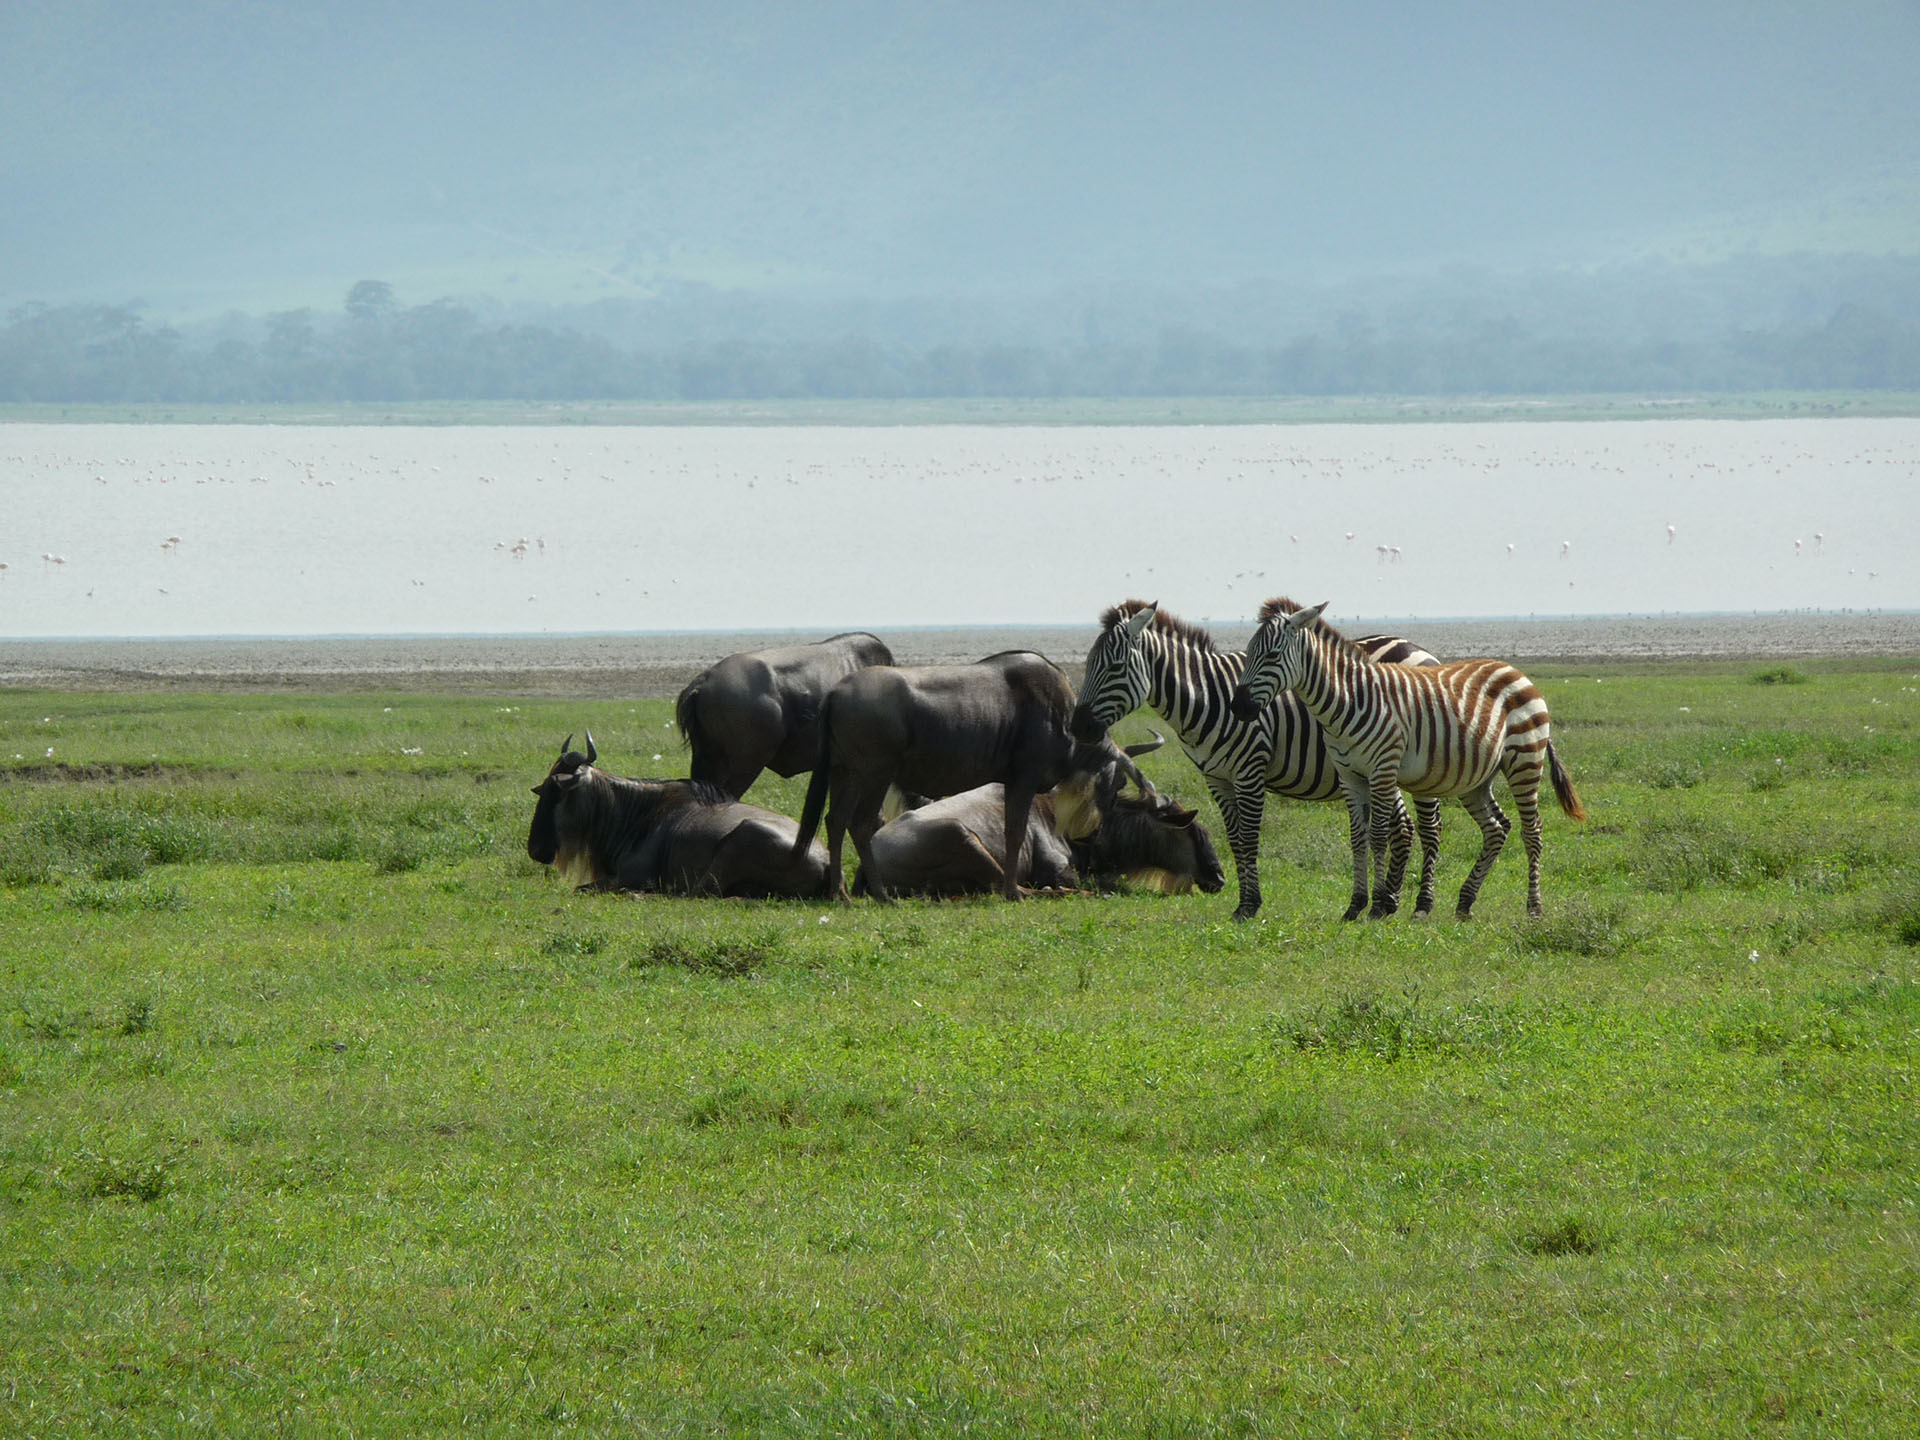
point(1173, 625)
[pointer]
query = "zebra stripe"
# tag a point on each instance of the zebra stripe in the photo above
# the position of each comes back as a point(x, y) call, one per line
point(1145, 656)
point(1443, 731)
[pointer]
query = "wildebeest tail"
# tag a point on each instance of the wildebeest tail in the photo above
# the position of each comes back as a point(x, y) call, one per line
point(1563, 785)
point(686, 715)
point(816, 802)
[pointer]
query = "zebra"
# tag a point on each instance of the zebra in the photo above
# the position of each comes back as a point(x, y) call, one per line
point(1145, 656)
point(1445, 731)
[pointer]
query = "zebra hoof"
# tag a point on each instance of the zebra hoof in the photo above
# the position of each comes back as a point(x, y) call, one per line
point(1465, 912)
point(1353, 912)
point(1246, 913)
point(1382, 912)
point(1423, 912)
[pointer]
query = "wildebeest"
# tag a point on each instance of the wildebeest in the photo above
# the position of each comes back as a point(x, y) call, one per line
point(938, 730)
point(684, 836)
point(956, 846)
point(760, 709)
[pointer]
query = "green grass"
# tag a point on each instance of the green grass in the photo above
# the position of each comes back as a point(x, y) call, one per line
point(322, 1108)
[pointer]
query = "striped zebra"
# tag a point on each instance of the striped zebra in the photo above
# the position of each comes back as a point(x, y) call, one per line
point(1438, 732)
point(1145, 656)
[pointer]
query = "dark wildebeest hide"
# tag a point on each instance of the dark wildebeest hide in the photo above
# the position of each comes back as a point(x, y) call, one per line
point(681, 836)
point(938, 730)
point(956, 846)
point(760, 709)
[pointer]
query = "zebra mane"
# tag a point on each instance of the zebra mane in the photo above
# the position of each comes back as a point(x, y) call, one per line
point(1170, 624)
point(1287, 605)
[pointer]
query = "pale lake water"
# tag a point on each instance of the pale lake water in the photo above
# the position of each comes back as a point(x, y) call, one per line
point(288, 531)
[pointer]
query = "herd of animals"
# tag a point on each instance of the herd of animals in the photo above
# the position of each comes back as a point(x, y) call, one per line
point(1010, 780)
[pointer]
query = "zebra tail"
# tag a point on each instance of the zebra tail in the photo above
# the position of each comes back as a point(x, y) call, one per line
point(1563, 790)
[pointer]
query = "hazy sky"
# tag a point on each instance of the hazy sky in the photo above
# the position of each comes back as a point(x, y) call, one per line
point(202, 153)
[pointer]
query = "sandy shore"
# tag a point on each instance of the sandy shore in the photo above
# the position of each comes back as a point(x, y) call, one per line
point(656, 665)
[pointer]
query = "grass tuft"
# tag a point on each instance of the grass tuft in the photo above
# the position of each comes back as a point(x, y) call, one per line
point(1581, 928)
point(119, 898)
point(730, 958)
point(1778, 675)
point(1571, 1235)
point(144, 1177)
point(573, 944)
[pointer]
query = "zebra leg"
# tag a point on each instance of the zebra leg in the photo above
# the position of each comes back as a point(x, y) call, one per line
point(1525, 788)
point(1493, 827)
point(1359, 834)
point(1391, 834)
point(1242, 807)
point(1428, 813)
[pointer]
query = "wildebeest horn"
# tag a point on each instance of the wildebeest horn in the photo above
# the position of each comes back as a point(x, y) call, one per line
point(1147, 747)
point(566, 744)
point(592, 754)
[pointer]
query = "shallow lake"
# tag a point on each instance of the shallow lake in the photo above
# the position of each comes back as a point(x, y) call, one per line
point(172, 530)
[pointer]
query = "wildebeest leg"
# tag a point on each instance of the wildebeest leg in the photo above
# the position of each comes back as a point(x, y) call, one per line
point(739, 776)
point(1242, 803)
point(863, 821)
point(839, 807)
point(1493, 826)
point(1428, 823)
point(1019, 805)
point(1359, 823)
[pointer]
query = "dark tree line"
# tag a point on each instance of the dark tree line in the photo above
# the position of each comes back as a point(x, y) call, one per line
point(379, 351)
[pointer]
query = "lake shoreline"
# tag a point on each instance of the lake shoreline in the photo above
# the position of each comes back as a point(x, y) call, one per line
point(653, 665)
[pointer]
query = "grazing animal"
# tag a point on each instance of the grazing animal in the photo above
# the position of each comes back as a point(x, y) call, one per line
point(683, 836)
point(1145, 656)
point(760, 709)
point(938, 730)
point(1433, 732)
point(956, 846)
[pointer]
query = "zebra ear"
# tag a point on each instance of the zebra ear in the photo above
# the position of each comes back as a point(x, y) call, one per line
point(1141, 619)
point(1301, 619)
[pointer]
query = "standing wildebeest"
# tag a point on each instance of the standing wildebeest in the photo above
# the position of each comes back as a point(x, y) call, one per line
point(937, 730)
point(956, 846)
point(760, 709)
point(679, 835)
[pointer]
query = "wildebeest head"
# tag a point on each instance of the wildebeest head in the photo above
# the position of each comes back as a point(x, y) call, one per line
point(1100, 772)
point(543, 837)
point(1156, 842)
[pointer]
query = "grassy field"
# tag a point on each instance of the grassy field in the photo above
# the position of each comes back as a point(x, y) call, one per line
point(324, 1110)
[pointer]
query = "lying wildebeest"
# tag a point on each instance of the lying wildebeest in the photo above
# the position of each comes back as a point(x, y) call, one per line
point(938, 730)
point(760, 709)
point(957, 846)
point(677, 835)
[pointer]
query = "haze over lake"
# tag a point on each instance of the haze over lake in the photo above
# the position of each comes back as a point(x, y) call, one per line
point(174, 530)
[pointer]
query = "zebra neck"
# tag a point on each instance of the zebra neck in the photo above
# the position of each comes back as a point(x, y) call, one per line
point(1336, 685)
point(1190, 685)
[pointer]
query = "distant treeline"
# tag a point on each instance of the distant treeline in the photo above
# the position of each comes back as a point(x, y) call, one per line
point(378, 351)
